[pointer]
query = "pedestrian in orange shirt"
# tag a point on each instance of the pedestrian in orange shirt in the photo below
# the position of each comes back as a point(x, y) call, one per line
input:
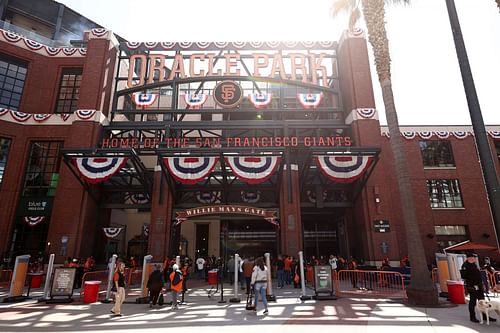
point(118, 288)
point(175, 284)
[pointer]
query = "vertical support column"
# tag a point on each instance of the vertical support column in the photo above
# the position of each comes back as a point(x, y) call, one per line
point(161, 217)
point(290, 215)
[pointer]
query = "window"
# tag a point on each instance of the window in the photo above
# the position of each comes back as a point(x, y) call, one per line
point(12, 77)
point(42, 173)
point(444, 193)
point(448, 235)
point(4, 153)
point(69, 90)
point(437, 153)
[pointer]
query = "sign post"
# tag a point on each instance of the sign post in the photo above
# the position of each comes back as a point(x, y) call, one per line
point(18, 279)
point(48, 278)
point(146, 271)
point(111, 268)
point(62, 285)
point(323, 287)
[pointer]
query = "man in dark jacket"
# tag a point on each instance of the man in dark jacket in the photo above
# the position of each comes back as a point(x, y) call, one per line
point(473, 283)
point(155, 284)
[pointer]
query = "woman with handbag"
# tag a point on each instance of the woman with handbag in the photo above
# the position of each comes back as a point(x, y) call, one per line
point(259, 283)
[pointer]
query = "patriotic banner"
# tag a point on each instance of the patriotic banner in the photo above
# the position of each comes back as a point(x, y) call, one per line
point(33, 220)
point(460, 134)
point(253, 169)
point(343, 169)
point(195, 101)
point(273, 220)
point(98, 169)
point(442, 134)
point(138, 198)
point(409, 135)
point(144, 101)
point(112, 232)
point(190, 170)
point(310, 101)
point(260, 101)
point(250, 196)
point(207, 197)
point(311, 195)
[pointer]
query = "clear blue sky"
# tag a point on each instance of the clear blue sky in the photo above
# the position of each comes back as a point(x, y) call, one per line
point(426, 78)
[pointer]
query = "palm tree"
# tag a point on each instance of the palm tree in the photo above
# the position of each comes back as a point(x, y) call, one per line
point(421, 290)
point(498, 3)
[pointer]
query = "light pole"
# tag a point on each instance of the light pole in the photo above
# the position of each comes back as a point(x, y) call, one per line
point(483, 148)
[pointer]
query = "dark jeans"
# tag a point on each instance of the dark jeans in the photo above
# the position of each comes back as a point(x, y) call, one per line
point(474, 295)
point(153, 295)
point(248, 280)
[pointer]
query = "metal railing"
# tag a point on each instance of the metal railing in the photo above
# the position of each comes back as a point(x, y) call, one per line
point(370, 283)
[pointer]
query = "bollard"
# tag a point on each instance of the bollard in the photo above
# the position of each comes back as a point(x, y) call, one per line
point(48, 278)
point(269, 296)
point(304, 297)
point(236, 299)
point(111, 268)
point(221, 280)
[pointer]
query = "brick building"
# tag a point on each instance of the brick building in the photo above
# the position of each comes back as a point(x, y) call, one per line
point(217, 148)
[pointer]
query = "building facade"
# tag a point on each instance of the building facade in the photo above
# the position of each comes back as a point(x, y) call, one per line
point(218, 148)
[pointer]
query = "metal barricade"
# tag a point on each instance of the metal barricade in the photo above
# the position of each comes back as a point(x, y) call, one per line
point(5, 277)
point(370, 283)
point(95, 276)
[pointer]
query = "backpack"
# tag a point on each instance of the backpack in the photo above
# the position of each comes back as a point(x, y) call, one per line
point(177, 278)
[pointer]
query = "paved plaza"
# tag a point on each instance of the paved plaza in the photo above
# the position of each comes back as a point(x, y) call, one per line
point(201, 314)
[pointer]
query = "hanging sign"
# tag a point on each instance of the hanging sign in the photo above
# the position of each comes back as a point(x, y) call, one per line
point(269, 215)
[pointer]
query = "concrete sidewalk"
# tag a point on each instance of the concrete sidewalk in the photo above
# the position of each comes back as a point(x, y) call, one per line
point(201, 313)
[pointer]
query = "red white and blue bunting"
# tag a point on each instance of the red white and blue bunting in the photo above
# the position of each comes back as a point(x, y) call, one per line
point(190, 170)
point(40, 117)
point(85, 114)
point(208, 197)
point(250, 196)
point(310, 101)
point(195, 101)
point(311, 195)
point(138, 198)
point(366, 113)
point(34, 220)
point(144, 101)
point(253, 169)
point(343, 169)
point(20, 116)
point(260, 101)
point(112, 232)
point(494, 134)
point(98, 169)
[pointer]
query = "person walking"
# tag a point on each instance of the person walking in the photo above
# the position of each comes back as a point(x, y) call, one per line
point(155, 285)
point(175, 284)
point(280, 272)
point(118, 288)
point(230, 269)
point(200, 267)
point(248, 265)
point(473, 284)
point(259, 283)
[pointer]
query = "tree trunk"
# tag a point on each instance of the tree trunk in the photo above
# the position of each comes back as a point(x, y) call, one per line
point(421, 290)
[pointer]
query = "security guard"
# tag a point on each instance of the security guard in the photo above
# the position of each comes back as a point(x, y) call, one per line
point(473, 283)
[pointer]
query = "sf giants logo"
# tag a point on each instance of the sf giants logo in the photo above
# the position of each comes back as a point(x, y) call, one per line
point(228, 94)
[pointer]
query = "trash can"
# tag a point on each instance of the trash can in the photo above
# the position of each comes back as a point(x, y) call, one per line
point(91, 291)
point(36, 280)
point(212, 277)
point(456, 291)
